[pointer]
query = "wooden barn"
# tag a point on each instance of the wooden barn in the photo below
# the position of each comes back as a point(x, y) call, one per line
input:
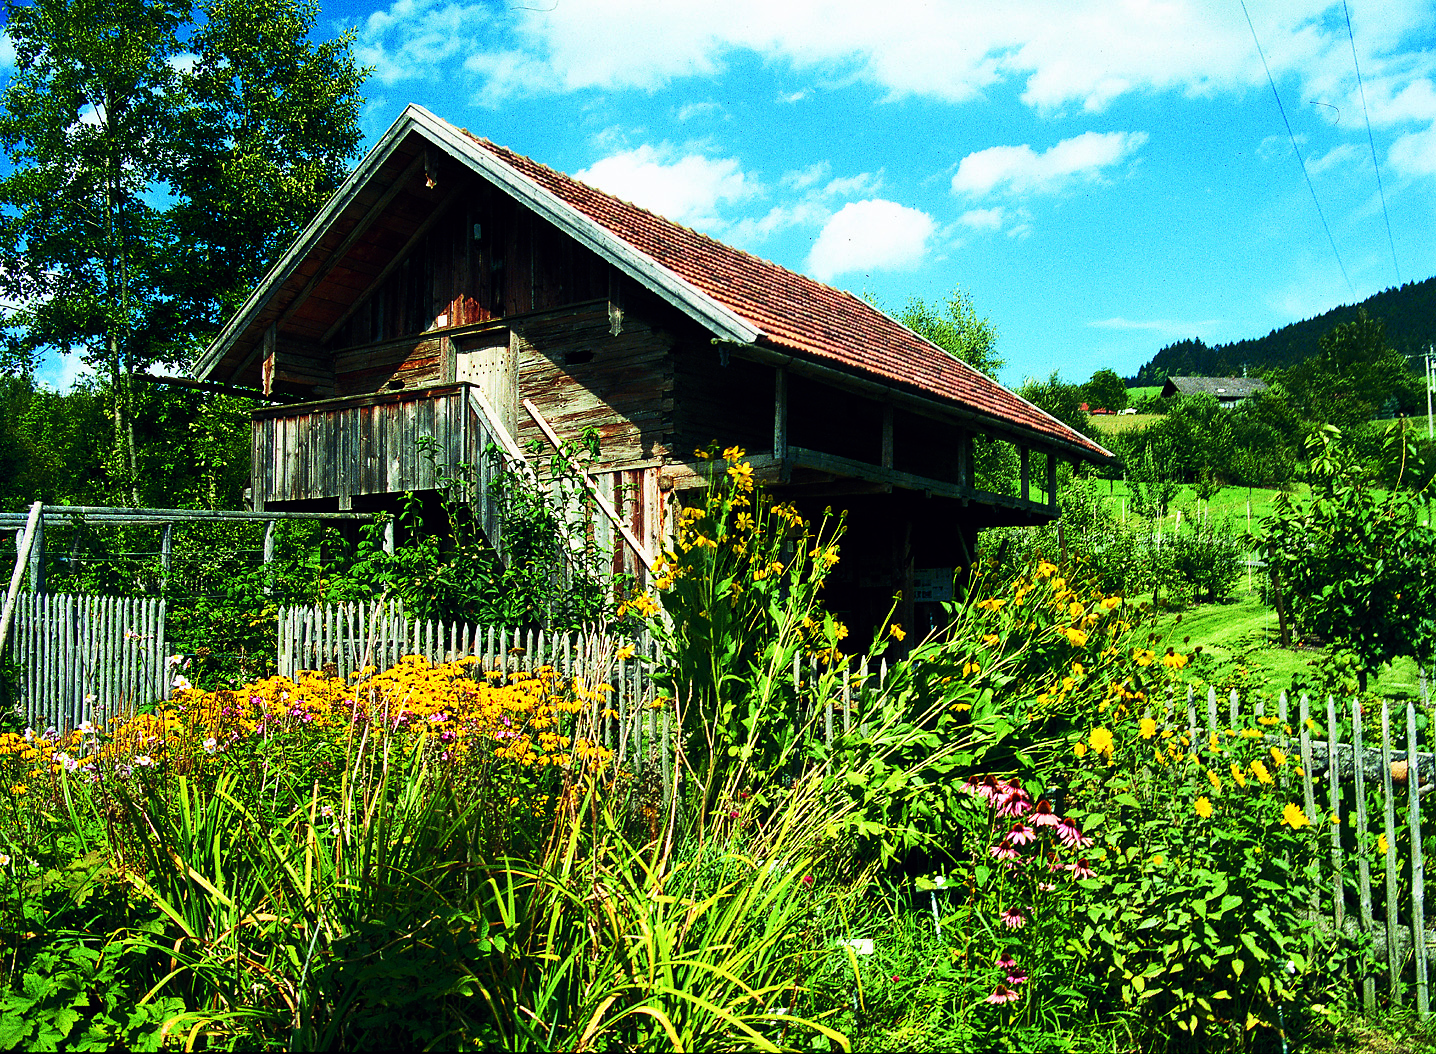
point(453, 294)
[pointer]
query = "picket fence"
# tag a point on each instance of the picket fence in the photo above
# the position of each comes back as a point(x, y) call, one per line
point(82, 658)
point(342, 639)
point(1336, 749)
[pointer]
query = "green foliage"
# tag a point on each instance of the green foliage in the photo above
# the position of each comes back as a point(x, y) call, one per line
point(1105, 391)
point(1060, 399)
point(1352, 562)
point(145, 188)
point(954, 327)
point(1355, 376)
point(1198, 903)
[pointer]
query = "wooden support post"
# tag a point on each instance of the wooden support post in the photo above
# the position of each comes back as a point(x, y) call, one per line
point(1024, 459)
point(266, 366)
point(22, 546)
point(37, 556)
point(887, 449)
point(166, 550)
point(780, 413)
point(269, 542)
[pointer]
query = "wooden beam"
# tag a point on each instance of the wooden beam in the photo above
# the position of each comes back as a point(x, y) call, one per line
point(780, 413)
point(398, 259)
point(887, 447)
point(421, 160)
point(215, 386)
point(1023, 458)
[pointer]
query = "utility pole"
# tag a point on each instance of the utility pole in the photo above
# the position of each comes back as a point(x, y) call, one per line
point(1429, 433)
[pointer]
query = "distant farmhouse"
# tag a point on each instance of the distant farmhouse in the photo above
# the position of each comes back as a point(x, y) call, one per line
point(1229, 391)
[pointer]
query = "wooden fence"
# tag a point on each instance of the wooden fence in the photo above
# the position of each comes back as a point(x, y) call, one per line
point(341, 639)
point(1347, 776)
point(83, 658)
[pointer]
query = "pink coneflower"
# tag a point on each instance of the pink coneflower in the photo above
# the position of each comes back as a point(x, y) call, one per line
point(1070, 833)
point(1021, 835)
point(1012, 800)
point(1003, 851)
point(1043, 816)
point(1002, 994)
point(1007, 962)
point(1017, 977)
point(1013, 919)
point(1080, 868)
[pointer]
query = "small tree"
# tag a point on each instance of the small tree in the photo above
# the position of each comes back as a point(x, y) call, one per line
point(1105, 391)
point(1354, 563)
point(954, 327)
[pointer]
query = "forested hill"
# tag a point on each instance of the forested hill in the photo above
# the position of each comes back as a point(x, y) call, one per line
point(1409, 312)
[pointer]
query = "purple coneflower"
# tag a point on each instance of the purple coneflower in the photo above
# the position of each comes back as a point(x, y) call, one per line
point(1017, 977)
point(1002, 994)
point(1013, 919)
point(1012, 800)
point(1021, 835)
point(1070, 833)
point(1003, 851)
point(1043, 816)
point(1080, 868)
point(1007, 962)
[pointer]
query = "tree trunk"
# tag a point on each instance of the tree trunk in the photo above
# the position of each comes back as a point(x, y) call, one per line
point(1283, 632)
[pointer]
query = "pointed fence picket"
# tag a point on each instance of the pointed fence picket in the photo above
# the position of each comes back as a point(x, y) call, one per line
point(85, 658)
point(1334, 758)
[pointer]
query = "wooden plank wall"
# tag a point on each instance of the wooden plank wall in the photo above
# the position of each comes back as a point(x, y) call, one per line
point(580, 374)
point(729, 405)
point(518, 263)
point(368, 446)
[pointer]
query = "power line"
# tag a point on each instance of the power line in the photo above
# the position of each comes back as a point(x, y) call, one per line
point(1301, 160)
point(1371, 140)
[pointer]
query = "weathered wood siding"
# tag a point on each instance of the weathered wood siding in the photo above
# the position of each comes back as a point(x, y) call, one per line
point(580, 375)
point(518, 263)
point(729, 405)
point(367, 445)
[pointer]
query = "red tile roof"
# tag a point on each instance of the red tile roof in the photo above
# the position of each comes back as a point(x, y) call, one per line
point(793, 311)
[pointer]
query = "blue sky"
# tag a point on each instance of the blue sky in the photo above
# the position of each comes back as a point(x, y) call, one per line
point(1102, 176)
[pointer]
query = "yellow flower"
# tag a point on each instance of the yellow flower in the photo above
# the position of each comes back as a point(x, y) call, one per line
point(1174, 661)
point(1238, 775)
point(744, 521)
point(1382, 845)
point(733, 453)
point(1259, 770)
point(970, 667)
point(1111, 602)
point(896, 631)
point(1046, 570)
point(1215, 781)
point(990, 639)
point(1158, 860)
point(625, 652)
point(1278, 757)
point(991, 604)
point(1203, 807)
point(1080, 749)
point(742, 474)
point(1075, 610)
point(702, 455)
point(1076, 636)
point(1101, 741)
point(1143, 657)
point(1149, 727)
point(1294, 818)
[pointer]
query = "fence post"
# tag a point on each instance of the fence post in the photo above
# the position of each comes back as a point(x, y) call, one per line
point(37, 558)
point(1418, 866)
point(1393, 965)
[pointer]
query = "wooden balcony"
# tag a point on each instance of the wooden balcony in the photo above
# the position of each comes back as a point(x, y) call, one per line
point(335, 450)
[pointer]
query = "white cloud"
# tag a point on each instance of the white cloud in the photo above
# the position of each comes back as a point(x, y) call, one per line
point(689, 111)
point(1337, 155)
point(686, 189)
point(803, 178)
point(1277, 147)
point(1021, 170)
point(983, 219)
point(870, 235)
point(183, 63)
point(1414, 154)
point(1062, 54)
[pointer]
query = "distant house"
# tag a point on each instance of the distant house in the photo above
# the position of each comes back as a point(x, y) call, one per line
point(1229, 391)
point(454, 295)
